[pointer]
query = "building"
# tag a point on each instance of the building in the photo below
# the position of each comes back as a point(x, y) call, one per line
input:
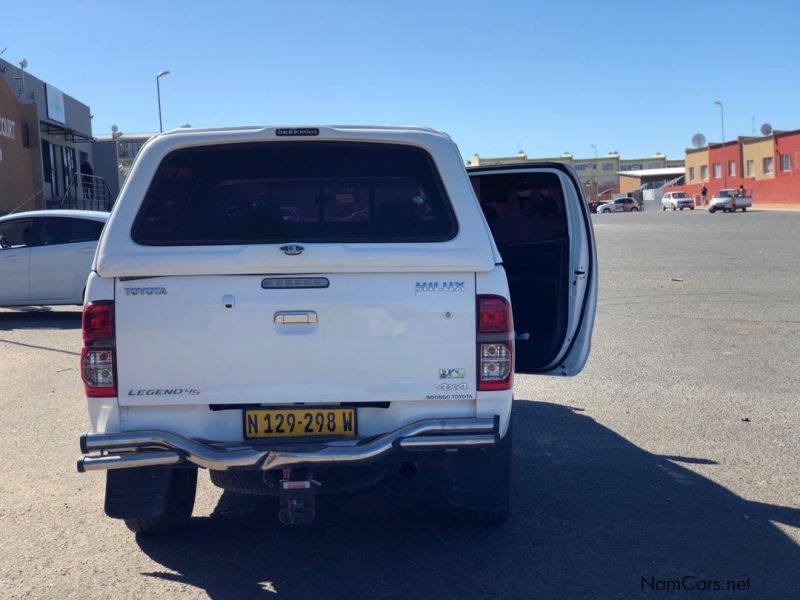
point(600, 176)
point(46, 137)
point(767, 167)
point(647, 184)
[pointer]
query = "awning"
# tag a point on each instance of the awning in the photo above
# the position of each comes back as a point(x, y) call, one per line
point(69, 135)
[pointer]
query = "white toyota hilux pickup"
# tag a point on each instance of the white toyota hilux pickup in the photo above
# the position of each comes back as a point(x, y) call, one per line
point(298, 310)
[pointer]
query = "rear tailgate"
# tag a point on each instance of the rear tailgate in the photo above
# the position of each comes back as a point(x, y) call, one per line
point(378, 337)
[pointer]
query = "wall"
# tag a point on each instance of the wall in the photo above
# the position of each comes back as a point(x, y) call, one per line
point(628, 184)
point(17, 184)
point(695, 159)
point(757, 151)
point(723, 154)
point(105, 164)
point(605, 178)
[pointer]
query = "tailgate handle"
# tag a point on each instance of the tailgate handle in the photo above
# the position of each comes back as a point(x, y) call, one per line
point(295, 317)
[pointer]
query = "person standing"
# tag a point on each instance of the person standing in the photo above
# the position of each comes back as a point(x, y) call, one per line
point(703, 194)
point(741, 191)
point(87, 179)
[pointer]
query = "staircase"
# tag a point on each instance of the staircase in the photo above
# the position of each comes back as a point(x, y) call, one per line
point(86, 192)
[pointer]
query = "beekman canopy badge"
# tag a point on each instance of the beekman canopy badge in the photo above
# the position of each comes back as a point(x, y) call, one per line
point(297, 131)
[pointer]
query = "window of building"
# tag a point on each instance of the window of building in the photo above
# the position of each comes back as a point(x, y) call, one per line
point(653, 165)
point(717, 171)
point(580, 167)
point(768, 166)
point(751, 168)
point(608, 166)
point(691, 173)
point(786, 162)
point(26, 136)
point(731, 167)
point(703, 172)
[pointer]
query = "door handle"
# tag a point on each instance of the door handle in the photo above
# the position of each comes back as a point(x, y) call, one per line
point(295, 317)
point(11, 258)
point(86, 250)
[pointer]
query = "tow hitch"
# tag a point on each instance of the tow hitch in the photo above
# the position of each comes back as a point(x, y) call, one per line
point(297, 499)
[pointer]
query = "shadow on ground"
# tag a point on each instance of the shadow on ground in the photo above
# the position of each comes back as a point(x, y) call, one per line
point(593, 515)
point(39, 318)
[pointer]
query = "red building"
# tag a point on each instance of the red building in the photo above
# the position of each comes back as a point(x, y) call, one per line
point(768, 167)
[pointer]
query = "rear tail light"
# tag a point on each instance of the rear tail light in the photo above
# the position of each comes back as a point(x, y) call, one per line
point(495, 341)
point(98, 321)
point(98, 364)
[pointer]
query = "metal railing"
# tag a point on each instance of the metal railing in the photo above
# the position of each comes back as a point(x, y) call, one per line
point(87, 192)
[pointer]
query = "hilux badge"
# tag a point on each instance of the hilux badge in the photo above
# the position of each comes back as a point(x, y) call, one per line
point(440, 286)
point(292, 249)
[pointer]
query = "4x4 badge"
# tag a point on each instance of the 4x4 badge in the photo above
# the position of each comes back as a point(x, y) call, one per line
point(292, 249)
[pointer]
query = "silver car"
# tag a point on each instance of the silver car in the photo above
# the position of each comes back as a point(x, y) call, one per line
point(676, 200)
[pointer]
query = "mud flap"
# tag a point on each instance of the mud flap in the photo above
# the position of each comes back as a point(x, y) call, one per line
point(478, 480)
point(145, 492)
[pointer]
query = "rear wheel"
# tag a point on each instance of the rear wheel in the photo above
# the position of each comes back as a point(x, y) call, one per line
point(744, 209)
point(179, 496)
point(712, 210)
point(479, 482)
point(663, 208)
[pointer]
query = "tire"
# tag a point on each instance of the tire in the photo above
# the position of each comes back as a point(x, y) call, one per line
point(712, 210)
point(691, 208)
point(634, 209)
point(180, 503)
point(479, 483)
point(681, 208)
point(663, 208)
point(744, 209)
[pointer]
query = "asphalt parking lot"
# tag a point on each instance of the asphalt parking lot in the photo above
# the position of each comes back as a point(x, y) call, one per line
point(675, 453)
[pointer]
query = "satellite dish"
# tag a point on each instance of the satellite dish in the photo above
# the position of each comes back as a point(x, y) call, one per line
point(766, 129)
point(698, 140)
point(114, 129)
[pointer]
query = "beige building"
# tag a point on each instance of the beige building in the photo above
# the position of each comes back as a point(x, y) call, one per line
point(604, 170)
point(696, 165)
point(758, 159)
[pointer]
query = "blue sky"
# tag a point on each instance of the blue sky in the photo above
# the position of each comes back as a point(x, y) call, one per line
point(544, 77)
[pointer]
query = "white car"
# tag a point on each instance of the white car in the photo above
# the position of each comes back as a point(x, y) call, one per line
point(619, 205)
point(46, 255)
point(729, 200)
point(676, 200)
point(276, 304)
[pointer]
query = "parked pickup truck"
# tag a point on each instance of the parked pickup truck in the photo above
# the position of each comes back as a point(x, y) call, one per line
point(729, 200)
point(297, 310)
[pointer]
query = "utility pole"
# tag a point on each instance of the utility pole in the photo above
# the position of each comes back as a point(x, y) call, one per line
point(158, 91)
point(724, 162)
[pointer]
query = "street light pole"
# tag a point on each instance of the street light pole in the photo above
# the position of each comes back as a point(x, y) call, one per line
point(594, 171)
point(724, 162)
point(158, 91)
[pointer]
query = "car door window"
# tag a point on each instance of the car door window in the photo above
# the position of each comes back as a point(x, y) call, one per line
point(61, 230)
point(16, 234)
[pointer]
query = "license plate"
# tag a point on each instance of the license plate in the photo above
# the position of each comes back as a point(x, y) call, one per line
point(299, 422)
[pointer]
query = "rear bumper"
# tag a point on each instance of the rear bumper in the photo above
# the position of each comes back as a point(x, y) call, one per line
point(149, 448)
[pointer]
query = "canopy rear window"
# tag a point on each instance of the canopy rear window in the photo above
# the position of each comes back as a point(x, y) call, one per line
point(295, 192)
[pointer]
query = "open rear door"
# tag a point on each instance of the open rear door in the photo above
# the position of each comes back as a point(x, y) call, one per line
point(542, 228)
